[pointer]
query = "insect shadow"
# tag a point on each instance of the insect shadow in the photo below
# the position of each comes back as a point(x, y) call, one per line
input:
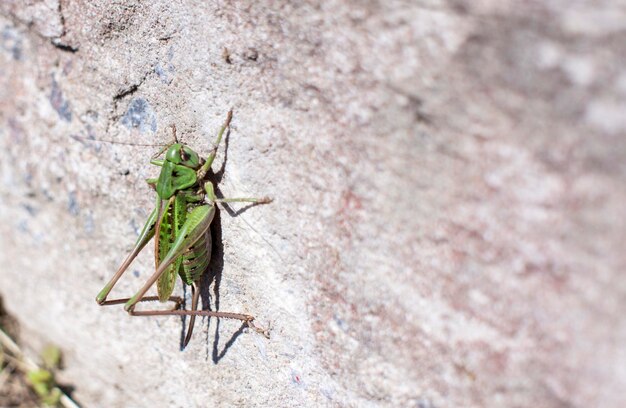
point(213, 275)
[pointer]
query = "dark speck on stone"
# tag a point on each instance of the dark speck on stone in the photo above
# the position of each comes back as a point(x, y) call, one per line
point(136, 273)
point(11, 42)
point(32, 211)
point(72, 205)
point(163, 75)
point(22, 226)
point(134, 226)
point(251, 54)
point(140, 115)
point(59, 103)
point(425, 403)
point(340, 322)
point(89, 223)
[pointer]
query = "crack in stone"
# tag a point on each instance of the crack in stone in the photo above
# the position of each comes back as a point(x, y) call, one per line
point(122, 93)
point(57, 41)
point(114, 116)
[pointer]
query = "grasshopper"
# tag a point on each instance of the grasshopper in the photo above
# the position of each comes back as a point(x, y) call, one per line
point(185, 207)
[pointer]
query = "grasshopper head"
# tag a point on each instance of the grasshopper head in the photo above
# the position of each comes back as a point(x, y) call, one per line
point(183, 155)
point(178, 171)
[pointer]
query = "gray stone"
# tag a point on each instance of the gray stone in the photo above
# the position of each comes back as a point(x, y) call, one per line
point(449, 181)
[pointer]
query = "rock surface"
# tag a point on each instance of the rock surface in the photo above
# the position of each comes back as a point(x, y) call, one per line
point(449, 181)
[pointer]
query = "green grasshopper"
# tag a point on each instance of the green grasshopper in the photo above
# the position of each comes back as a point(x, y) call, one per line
point(185, 207)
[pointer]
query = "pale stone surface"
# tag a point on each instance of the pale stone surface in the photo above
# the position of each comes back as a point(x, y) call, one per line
point(449, 181)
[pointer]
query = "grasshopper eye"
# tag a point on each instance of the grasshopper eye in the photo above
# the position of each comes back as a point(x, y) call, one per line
point(189, 157)
point(183, 155)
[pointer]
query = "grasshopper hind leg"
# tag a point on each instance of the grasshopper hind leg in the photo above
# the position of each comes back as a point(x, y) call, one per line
point(195, 295)
point(246, 319)
point(178, 301)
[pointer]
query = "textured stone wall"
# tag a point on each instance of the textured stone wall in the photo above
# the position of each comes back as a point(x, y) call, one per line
point(449, 180)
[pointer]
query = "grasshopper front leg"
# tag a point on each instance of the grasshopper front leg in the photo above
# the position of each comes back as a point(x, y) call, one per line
point(144, 237)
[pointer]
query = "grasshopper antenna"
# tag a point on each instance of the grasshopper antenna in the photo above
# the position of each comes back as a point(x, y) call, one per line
point(87, 139)
point(173, 126)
